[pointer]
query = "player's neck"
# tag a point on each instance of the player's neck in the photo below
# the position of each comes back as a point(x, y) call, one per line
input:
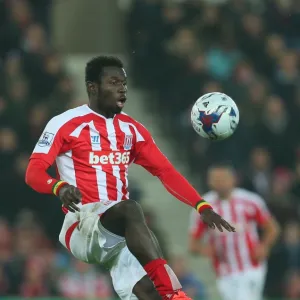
point(225, 196)
point(101, 112)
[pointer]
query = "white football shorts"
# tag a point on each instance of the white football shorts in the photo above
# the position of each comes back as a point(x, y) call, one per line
point(246, 285)
point(84, 236)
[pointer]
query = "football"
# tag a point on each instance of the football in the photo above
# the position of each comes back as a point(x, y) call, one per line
point(215, 116)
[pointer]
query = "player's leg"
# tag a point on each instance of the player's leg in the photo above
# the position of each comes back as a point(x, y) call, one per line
point(259, 277)
point(129, 277)
point(251, 284)
point(127, 219)
point(227, 288)
point(130, 280)
point(247, 285)
point(145, 290)
point(80, 236)
point(71, 238)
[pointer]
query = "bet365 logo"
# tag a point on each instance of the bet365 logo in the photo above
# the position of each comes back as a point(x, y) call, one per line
point(113, 158)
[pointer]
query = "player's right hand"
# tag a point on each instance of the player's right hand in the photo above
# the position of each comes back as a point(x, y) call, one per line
point(70, 195)
point(214, 220)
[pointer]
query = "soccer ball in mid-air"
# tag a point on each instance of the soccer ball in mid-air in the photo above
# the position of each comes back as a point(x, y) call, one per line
point(215, 116)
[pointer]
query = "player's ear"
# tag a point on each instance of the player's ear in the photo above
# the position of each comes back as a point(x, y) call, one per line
point(91, 87)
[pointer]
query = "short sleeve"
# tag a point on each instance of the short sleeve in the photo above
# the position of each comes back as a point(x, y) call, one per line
point(197, 228)
point(262, 213)
point(50, 143)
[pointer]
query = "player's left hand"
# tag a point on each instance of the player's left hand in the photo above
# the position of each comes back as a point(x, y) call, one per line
point(213, 220)
point(261, 252)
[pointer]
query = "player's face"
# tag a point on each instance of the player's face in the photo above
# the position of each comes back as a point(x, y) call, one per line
point(221, 180)
point(112, 90)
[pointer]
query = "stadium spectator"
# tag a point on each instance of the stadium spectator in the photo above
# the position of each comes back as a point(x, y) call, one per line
point(84, 282)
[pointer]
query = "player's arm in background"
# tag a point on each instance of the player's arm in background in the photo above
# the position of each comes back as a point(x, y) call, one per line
point(269, 227)
point(148, 155)
point(51, 143)
point(197, 231)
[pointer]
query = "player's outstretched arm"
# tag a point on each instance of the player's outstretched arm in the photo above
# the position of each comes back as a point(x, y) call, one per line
point(151, 158)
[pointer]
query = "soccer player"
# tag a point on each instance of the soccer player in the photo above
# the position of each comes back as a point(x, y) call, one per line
point(92, 146)
point(239, 259)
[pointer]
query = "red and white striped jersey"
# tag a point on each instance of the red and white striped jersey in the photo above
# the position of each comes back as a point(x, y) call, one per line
point(93, 152)
point(233, 252)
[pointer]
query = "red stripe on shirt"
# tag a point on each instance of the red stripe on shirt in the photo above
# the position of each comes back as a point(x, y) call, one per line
point(236, 247)
point(123, 169)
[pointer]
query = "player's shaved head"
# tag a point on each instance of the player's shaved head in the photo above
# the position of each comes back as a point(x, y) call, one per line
point(223, 166)
point(221, 178)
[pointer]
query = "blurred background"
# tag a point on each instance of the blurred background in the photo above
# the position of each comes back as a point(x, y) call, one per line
point(174, 51)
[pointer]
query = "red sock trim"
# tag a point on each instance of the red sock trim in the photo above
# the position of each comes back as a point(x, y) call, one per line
point(154, 263)
point(163, 277)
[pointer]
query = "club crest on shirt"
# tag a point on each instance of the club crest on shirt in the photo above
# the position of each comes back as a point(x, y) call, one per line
point(128, 142)
point(46, 139)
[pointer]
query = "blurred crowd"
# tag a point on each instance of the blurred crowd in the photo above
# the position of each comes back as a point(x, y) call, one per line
point(249, 50)
point(31, 266)
point(34, 85)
